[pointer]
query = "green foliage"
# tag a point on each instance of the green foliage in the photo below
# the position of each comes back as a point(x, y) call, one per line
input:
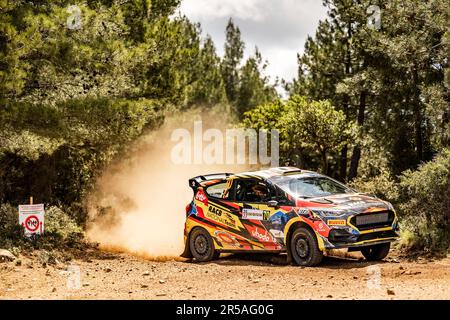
point(245, 86)
point(209, 89)
point(391, 80)
point(56, 152)
point(61, 231)
point(234, 51)
point(390, 92)
point(421, 200)
point(74, 97)
point(313, 128)
point(254, 88)
point(382, 186)
point(424, 203)
point(317, 126)
point(59, 224)
point(266, 116)
point(9, 224)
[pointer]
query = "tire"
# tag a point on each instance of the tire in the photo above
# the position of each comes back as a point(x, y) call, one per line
point(376, 252)
point(202, 246)
point(304, 248)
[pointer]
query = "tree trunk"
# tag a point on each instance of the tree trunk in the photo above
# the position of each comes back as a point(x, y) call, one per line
point(343, 163)
point(356, 155)
point(343, 159)
point(417, 116)
point(324, 162)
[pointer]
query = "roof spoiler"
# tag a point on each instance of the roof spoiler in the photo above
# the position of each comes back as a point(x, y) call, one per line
point(286, 170)
point(194, 183)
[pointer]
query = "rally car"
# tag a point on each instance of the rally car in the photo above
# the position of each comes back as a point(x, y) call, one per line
point(285, 209)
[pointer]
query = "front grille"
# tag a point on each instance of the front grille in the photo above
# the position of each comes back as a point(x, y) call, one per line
point(373, 220)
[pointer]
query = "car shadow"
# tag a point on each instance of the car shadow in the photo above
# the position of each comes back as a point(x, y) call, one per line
point(273, 260)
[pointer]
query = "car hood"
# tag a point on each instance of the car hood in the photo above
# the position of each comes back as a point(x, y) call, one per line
point(354, 202)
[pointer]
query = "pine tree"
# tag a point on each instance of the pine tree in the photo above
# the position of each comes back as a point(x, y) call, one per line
point(411, 56)
point(209, 89)
point(234, 52)
point(388, 79)
point(254, 87)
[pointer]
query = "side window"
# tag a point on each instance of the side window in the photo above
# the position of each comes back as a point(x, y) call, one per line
point(218, 190)
point(283, 198)
point(250, 190)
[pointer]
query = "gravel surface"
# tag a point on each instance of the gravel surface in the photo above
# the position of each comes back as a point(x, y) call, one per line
point(123, 276)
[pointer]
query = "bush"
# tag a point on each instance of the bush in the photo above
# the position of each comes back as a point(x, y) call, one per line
point(10, 230)
point(424, 204)
point(60, 231)
point(59, 224)
point(381, 186)
point(422, 201)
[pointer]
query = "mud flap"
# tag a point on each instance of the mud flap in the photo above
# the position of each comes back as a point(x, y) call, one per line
point(187, 251)
point(289, 259)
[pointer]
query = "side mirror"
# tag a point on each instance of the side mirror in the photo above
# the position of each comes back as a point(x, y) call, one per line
point(272, 203)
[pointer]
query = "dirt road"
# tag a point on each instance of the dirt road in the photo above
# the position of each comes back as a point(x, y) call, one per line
point(122, 276)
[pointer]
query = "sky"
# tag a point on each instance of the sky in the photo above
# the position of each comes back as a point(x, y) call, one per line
point(278, 27)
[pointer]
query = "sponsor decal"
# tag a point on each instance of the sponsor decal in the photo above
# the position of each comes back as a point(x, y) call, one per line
point(277, 233)
point(321, 226)
point(219, 215)
point(193, 210)
point(356, 204)
point(225, 237)
point(277, 222)
point(260, 233)
point(303, 212)
point(262, 236)
point(201, 196)
point(252, 214)
point(336, 222)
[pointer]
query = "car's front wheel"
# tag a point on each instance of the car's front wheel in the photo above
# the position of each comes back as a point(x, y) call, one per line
point(304, 248)
point(202, 245)
point(376, 252)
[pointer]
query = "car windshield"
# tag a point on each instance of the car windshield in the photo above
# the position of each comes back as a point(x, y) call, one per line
point(313, 186)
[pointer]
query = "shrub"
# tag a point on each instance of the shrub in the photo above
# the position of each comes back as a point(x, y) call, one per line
point(422, 201)
point(61, 231)
point(424, 204)
point(59, 224)
point(381, 186)
point(10, 230)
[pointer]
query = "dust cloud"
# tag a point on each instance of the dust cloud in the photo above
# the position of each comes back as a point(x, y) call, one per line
point(139, 203)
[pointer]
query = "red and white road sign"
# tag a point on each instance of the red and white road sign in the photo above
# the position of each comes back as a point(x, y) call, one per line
point(31, 217)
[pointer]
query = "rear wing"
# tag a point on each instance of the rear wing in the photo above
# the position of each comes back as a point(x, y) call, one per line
point(194, 183)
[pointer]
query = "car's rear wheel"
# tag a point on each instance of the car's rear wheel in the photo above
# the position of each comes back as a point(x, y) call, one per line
point(376, 252)
point(202, 245)
point(304, 248)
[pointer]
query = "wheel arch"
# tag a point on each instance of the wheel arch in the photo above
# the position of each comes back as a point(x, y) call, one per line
point(187, 250)
point(290, 227)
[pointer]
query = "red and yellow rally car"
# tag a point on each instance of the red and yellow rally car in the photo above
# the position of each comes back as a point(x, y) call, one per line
point(281, 210)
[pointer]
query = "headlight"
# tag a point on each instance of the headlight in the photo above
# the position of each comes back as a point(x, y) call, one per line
point(329, 212)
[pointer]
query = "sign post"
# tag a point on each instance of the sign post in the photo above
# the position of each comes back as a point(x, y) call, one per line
point(31, 217)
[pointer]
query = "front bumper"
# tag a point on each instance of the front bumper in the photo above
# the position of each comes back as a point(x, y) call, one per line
point(350, 232)
point(341, 238)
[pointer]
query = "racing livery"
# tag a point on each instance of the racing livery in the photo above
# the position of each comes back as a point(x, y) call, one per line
point(284, 209)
